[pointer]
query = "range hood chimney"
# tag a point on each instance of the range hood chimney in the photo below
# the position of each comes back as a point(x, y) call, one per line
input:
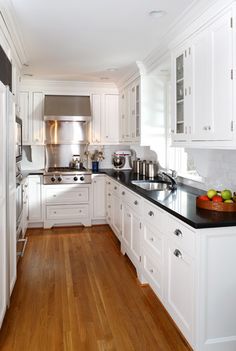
point(67, 108)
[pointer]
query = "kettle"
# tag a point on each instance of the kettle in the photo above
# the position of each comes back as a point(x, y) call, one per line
point(75, 162)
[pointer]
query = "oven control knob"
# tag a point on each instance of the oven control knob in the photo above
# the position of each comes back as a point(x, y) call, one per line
point(53, 179)
point(82, 179)
point(59, 179)
point(75, 179)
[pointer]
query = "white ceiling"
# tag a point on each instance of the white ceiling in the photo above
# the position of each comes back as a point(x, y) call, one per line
point(81, 39)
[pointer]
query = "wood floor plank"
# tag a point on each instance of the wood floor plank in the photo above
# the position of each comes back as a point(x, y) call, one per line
point(76, 292)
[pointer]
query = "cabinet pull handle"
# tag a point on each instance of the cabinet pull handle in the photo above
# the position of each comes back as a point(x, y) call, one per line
point(108, 183)
point(136, 202)
point(178, 253)
point(209, 127)
point(152, 239)
point(123, 192)
point(178, 232)
point(109, 194)
point(55, 212)
point(109, 206)
point(151, 214)
point(115, 187)
point(151, 270)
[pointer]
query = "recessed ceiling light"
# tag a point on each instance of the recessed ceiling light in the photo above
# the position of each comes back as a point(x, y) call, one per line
point(157, 13)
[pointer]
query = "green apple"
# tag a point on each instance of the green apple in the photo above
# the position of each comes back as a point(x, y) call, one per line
point(226, 194)
point(228, 201)
point(211, 193)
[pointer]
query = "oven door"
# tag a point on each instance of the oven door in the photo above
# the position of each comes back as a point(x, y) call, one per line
point(18, 139)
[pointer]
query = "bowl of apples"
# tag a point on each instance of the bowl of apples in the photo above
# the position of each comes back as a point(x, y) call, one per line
point(214, 200)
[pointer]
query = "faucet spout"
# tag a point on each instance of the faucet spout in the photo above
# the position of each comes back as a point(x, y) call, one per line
point(172, 179)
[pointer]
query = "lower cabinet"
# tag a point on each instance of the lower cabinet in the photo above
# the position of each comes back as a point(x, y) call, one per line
point(35, 199)
point(131, 235)
point(116, 214)
point(180, 288)
point(25, 207)
point(67, 204)
point(99, 197)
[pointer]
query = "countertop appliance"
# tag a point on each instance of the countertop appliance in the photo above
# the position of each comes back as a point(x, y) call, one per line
point(67, 175)
point(122, 160)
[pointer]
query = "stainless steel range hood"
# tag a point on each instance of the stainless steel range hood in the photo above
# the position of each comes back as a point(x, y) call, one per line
point(65, 119)
point(67, 108)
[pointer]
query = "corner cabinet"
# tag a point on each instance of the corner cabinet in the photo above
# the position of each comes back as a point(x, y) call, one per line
point(31, 113)
point(202, 82)
point(130, 112)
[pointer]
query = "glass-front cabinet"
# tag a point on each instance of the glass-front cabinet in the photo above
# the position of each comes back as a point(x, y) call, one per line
point(182, 86)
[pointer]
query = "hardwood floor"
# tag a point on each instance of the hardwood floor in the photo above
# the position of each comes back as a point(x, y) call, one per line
point(76, 292)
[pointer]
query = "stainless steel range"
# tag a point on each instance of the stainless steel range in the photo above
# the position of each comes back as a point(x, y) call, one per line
point(67, 175)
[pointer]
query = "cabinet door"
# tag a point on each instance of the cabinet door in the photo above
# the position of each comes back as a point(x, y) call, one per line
point(134, 111)
point(182, 100)
point(99, 197)
point(213, 84)
point(96, 118)
point(111, 119)
point(131, 235)
point(35, 198)
point(37, 118)
point(180, 288)
point(25, 116)
point(122, 106)
point(116, 215)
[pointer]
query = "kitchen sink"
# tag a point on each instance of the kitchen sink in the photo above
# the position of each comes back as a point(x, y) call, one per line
point(152, 185)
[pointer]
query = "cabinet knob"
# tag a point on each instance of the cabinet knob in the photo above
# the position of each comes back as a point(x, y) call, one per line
point(115, 187)
point(136, 202)
point(151, 270)
point(109, 194)
point(209, 127)
point(151, 214)
point(109, 206)
point(178, 253)
point(178, 232)
point(123, 192)
point(151, 239)
point(129, 215)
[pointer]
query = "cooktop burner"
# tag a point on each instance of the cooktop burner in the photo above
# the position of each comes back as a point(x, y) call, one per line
point(67, 170)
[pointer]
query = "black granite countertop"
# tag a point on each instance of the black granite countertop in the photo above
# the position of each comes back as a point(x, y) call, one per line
point(26, 173)
point(181, 202)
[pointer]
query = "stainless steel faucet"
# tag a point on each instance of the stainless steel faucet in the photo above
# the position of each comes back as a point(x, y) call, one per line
point(172, 178)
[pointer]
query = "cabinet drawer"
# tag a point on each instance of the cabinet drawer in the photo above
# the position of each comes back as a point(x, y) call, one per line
point(131, 199)
point(183, 236)
point(153, 241)
point(154, 216)
point(152, 269)
point(67, 212)
point(66, 195)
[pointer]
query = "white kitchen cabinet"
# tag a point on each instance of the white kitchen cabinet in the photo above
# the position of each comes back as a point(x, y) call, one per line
point(99, 197)
point(31, 113)
point(203, 85)
point(180, 288)
point(130, 112)
point(67, 204)
point(110, 120)
point(35, 199)
point(116, 214)
point(131, 235)
point(97, 109)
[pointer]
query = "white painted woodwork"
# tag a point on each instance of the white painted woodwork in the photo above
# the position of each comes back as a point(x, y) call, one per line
point(25, 207)
point(66, 194)
point(110, 124)
point(99, 196)
point(96, 106)
point(180, 298)
point(67, 212)
point(3, 262)
point(37, 118)
point(35, 198)
point(116, 214)
point(25, 116)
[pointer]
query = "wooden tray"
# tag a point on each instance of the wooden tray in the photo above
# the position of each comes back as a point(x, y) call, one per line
point(216, 206)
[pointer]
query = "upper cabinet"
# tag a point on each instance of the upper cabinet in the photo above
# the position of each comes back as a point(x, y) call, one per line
point(31, 113)
point(202, 81)
point(104, 128)
point(130, 112)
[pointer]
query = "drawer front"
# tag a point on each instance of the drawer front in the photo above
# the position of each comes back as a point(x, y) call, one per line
point(65, 195)
point(153, 272)
point(153, 241)
point(131, 199)
point(153, 215)
point(183, 236)
point(67, 212)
